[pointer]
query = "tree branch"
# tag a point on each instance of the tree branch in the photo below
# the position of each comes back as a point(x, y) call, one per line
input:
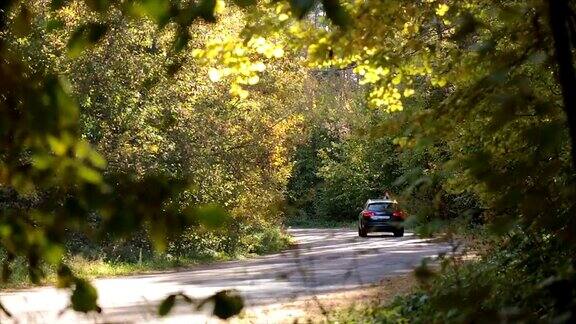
point(559, 15)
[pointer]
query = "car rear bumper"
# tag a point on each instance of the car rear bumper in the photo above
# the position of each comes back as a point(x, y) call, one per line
point(374, 226)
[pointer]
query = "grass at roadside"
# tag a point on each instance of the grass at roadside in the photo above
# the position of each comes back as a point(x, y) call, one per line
point(100, 268)
point(90, 268)
point(367, 309)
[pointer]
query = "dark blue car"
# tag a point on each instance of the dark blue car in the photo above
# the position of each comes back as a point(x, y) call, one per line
point(381, 215)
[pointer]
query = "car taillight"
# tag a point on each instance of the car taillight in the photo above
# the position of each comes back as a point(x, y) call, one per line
point(398, 214)
point(368, 214)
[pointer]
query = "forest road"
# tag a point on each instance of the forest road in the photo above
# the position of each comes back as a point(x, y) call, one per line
point(323, 261)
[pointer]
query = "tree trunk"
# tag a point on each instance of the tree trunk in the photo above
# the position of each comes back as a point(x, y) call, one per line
point(559, 17)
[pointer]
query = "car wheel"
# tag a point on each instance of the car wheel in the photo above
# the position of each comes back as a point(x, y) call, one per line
point(362, 232)
point(399, 233)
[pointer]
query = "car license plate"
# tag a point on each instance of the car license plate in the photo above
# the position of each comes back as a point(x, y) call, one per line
point(380, 217)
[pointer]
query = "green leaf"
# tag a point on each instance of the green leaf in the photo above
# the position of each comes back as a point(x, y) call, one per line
point(336, 13)
point(211, 216)
point(227, 303)
point(89, 175)
point(96, 159)
point(84, 297)
point(42, 161)
point(22, 24)
point(158, 234)
point(244, 3)
point(65, 278)
point(206, 10)
point(85, 37)
point(53, 253)
point(301, 7)
point(423, 273)
point(166, 305)
point(157, 10)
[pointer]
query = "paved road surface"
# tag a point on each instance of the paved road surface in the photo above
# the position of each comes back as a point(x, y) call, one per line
point(326, 260)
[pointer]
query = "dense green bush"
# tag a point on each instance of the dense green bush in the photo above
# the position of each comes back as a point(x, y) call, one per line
point(304, 182)
point(109, 258)
point(521, 278)
point(333, 177)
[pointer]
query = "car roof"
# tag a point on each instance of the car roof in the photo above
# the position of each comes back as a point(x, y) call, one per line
point(376, 201)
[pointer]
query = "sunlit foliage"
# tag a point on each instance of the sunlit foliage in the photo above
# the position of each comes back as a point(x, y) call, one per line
point(146, 112)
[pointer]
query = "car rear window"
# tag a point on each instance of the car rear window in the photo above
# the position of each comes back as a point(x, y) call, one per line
point(380, 207)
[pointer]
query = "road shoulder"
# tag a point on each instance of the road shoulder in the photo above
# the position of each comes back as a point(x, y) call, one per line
point(323, 307)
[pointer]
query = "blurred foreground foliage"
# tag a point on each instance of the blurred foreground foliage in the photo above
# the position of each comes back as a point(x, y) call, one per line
point(469, 120)
point(515, 279)
point(114, 149)
point(144, 116)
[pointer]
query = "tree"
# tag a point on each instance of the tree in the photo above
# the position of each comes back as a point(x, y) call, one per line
point(53, 179)
point(498, 132)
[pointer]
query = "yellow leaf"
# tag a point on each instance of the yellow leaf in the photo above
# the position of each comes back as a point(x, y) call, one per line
point(220, 6)
point(442, 9)
point(253, 80)
point(239, 51)
point(408, 92)
point(58, 146)
point(214, 75)
point(278, 52)
point(197, 53)
point(243, 94)
point(259, 67)
point(236, 90)
point(89, 175)
point(312, 49)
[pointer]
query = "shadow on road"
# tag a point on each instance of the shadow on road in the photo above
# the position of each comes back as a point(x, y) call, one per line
point(323, 261)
